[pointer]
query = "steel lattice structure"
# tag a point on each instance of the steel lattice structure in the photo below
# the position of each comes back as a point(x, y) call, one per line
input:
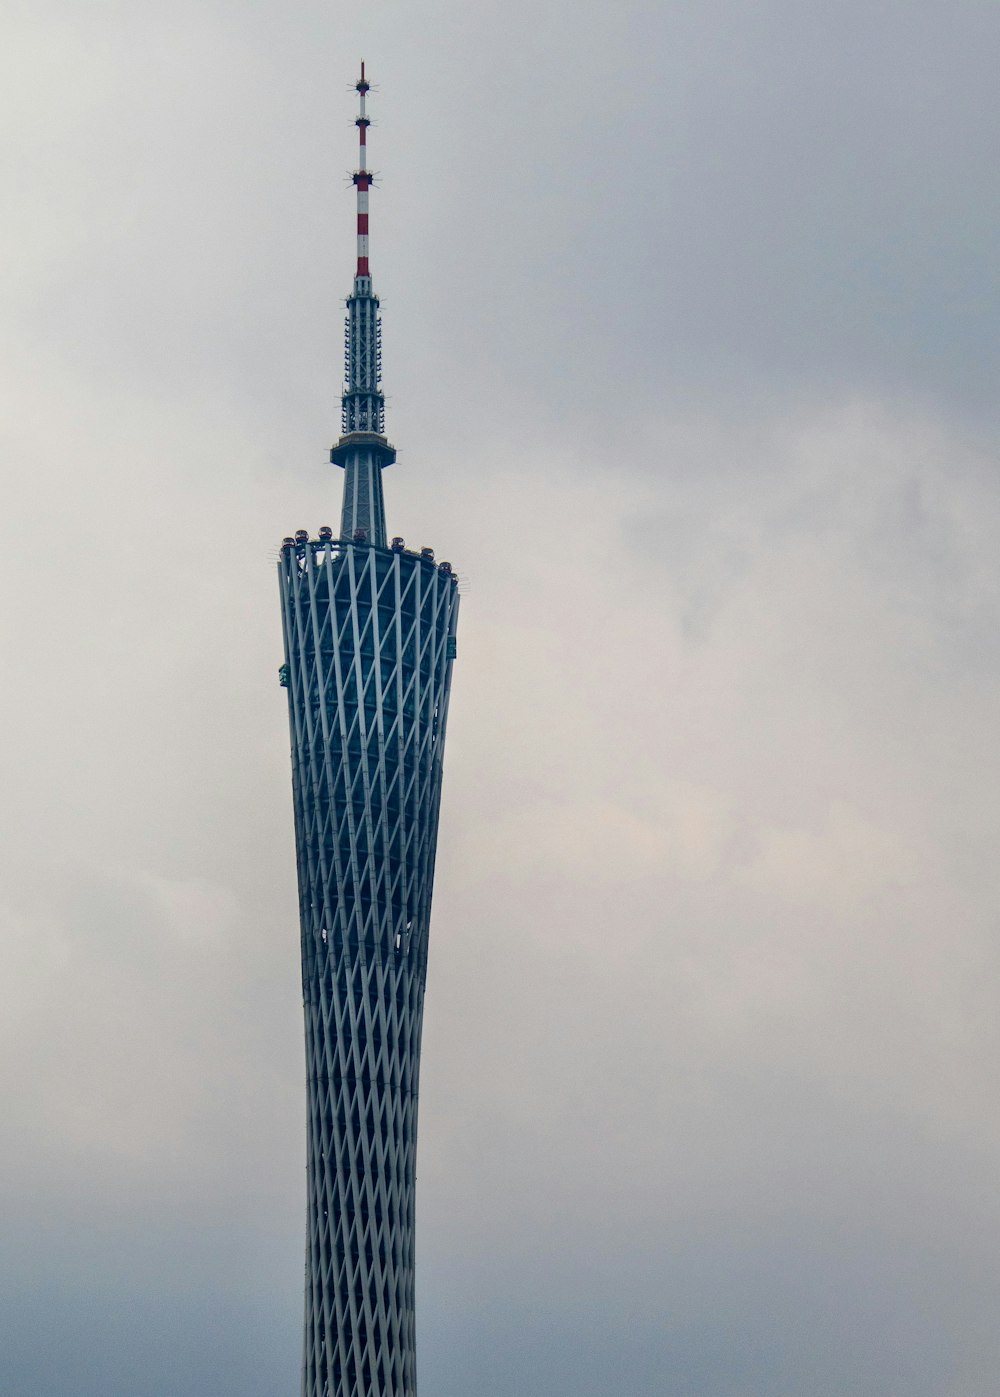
point(369, 635)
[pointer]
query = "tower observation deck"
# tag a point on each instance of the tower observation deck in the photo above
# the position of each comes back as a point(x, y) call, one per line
point(369, 634)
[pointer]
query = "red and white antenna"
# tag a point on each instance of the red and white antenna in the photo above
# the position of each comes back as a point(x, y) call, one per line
point(362, 176)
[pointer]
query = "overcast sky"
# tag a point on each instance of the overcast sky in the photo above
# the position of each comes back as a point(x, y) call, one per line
point(690, 320)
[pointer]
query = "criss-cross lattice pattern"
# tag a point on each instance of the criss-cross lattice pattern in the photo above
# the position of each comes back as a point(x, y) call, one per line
point(369, 640)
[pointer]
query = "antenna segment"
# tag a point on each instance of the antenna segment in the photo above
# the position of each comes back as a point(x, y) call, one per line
point(363, 450)
point(362, 179)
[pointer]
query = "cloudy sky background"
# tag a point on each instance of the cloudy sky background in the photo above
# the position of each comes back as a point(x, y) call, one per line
point(691, 351)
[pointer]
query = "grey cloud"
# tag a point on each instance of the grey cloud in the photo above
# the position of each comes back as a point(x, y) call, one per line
point(711, 1035)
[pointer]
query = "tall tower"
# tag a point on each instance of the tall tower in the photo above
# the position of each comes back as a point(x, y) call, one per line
point(369, 633)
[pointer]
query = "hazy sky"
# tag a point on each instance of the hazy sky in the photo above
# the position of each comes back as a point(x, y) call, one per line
point(690, 316)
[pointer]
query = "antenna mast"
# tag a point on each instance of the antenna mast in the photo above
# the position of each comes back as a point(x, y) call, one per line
point(362, 179)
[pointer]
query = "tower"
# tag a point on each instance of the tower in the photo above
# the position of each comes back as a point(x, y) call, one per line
point(369, 634)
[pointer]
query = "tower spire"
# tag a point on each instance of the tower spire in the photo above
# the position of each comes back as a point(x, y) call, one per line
point(362, 178)
point(363, 450)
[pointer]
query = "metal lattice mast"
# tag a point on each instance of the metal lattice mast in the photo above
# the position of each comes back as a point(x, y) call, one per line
point(369, 636)
point(363, 450)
